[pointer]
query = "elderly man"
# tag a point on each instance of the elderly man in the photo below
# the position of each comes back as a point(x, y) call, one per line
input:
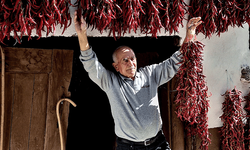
point(132, 93)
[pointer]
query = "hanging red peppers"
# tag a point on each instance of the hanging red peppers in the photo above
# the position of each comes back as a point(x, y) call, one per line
point(23, 16)
point(218, 15)
point(99, 13)
point(232, 131)
point(123, 16)
point(154, 17)
point(247, 131)
point(207, 11)
point(192, 92)
point(118, 17)
point(177, 11)
point(132, 9)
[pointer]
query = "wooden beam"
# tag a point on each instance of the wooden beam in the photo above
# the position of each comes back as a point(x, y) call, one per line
point(178, 135)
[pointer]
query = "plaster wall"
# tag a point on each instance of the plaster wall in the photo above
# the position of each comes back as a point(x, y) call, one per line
point(223, 58)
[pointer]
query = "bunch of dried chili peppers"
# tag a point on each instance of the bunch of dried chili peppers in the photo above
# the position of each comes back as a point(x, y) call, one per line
point(247, 129)
point(218, 15)
point(120, 16)
point(123, 16)
point(232, 131)
point(192, 92)
point(23, 16)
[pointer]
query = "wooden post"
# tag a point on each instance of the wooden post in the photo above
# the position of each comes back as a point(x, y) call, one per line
point(177, 134)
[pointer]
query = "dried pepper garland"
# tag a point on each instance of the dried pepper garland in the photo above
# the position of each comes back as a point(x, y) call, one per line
point(218, 15)
point(132, 10)
point(123, 16)
point(247, 131)
point(192, 92)
point(166, 14)
point(99, 13)
point(232, 131)
point(177, 11)
point(22, 16)
point(153, 15)
point(118, 17)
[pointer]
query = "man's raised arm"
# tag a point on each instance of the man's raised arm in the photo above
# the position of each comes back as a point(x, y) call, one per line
point(81, 30)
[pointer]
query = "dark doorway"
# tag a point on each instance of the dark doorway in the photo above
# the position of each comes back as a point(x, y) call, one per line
point(91, 123)
point(92, 119)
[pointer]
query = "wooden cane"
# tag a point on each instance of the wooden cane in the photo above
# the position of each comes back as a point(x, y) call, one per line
point(2, 104)
point(59, 121)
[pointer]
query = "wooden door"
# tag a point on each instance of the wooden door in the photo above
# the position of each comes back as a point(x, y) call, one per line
point(35, 81)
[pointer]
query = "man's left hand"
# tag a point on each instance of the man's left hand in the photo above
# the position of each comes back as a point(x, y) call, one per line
point(191, 27)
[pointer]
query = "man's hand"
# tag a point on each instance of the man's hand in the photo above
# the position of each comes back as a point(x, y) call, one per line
point(191, 27)
point(80, 26)
point(81, 30)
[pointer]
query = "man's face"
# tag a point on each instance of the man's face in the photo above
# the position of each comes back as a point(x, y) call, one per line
point(126, 63)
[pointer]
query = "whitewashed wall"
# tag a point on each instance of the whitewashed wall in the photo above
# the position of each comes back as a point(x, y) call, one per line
point(223, 58)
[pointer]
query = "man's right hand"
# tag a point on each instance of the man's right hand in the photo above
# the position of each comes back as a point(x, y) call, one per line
point(81, 30)
point(80, 26)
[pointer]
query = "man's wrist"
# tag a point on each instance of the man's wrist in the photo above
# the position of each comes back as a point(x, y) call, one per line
point(84, 46)
point(190, 37)
point(83, 41)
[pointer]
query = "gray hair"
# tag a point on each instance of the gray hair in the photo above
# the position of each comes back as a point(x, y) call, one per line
point(117, 50)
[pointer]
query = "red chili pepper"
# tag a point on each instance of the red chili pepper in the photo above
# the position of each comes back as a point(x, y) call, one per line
point(5, 28)
point(4, 5)
point(17, 3)
point(6, 14)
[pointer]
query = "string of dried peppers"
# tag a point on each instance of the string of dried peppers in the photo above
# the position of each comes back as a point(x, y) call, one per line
point(152, 15)
point(192, 93)
point(232, 131)
point(120, 16)
point(247, 129)
point(218, 15)
point(23, 16)
point(123, 16)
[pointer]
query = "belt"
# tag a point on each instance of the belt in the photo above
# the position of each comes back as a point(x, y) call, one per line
point(143, 143)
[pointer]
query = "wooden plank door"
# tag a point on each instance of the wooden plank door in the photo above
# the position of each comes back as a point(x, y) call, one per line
point(35, 81)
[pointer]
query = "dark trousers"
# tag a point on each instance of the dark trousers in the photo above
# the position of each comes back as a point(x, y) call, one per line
point(159, 144)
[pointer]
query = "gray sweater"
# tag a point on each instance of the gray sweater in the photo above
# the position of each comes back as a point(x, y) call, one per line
point(134, 104)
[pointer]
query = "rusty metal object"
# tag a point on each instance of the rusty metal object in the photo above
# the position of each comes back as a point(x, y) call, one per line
point(245, 74)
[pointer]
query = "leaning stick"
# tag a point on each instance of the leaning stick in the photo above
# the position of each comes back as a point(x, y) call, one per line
point(2, 104)
point(59, 121)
